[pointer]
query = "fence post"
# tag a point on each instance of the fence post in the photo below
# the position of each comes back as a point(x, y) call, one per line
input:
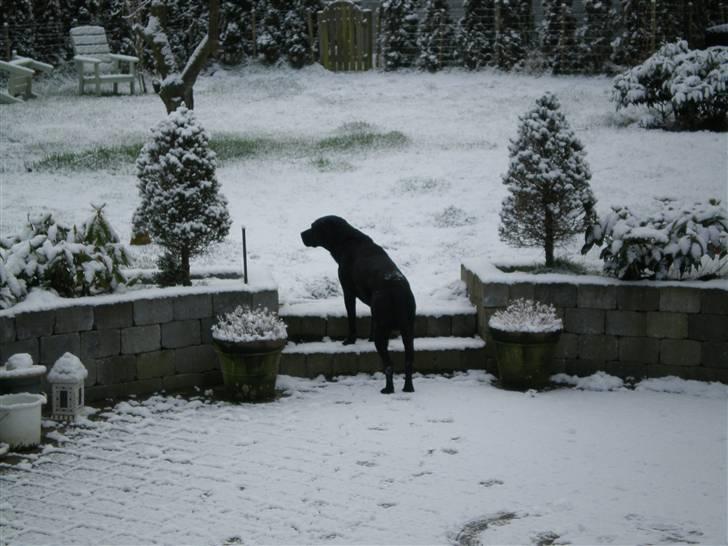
point(309, 21)
point(496, 48)
point(562, 34)
point(253, 27)
point(6, 39)
point(653, 26)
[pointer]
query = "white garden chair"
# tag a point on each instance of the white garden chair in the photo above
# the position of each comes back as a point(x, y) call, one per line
point(95, 62)
point(20, 72)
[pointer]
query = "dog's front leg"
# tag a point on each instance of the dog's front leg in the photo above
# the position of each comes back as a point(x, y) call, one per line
point(350, 303)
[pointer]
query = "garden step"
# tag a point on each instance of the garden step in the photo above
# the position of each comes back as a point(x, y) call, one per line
point(327, 319)
point(332, 358)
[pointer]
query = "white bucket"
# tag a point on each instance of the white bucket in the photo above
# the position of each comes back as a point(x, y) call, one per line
point(20, 418)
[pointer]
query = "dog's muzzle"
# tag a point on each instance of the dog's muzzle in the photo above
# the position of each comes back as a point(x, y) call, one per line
point(308, 238)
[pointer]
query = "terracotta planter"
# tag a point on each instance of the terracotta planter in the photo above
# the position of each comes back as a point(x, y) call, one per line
point(525, 359)
point(250, 369)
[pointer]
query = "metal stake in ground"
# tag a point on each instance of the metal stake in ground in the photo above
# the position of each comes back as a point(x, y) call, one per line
point(245, 258)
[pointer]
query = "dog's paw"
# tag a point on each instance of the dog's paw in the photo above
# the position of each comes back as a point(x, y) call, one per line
point(387, 390)
point(408, 388)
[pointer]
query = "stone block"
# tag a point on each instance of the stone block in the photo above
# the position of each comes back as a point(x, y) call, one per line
point(639, 349)
point(420, 326)
point(475, 293)
point(155, 364)
point(708, 327)
point(206, 330)
point(192, 306)
point(185, 381)
point(467, 277)
point(181, 333)
point(557, 294)
point(91, 366)
point(626, 323)
point(195, 359)
point(680, 352)
point(116, 369)
point(584, 321)
point(74, 319)
point(583, 367)
point(267, 299)
point(523, 290)
point(715, 355)
point(306, 328)
point(52, 347)
point(153, 311)
point(568, 346)
point(30, 346)
point(225, 302)
point(320, 364)
point(100, 343)
point(113, 315)
point(679, 299)
point(464, 325)
point(714, 301)
point(596, 296)
point(439, 326)
point(293, 364)
point(141, 339)
point(34, 324)
point(472, 359)
point(595, 347)
point(667, 325)
point(7, 329)
point(697, 373)
point(338, 328)
point(345, 364)
point(495, 295)
point(369, 362)
point(638, 298)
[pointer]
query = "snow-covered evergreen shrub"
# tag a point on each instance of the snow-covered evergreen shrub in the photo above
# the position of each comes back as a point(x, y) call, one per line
point(510, 41)
point(549, 198)
point(270, 36)
point(524, 315)
point(631, 44)
point(687, 87)
point(181, 204)
point(558, 36)
point(398, 33)
point(72, 260)
point(295, 36)
point(594, 36)
point(246, 324)
point(18, 14)
point(476, 33)
point(436, 41)
point(652, 246)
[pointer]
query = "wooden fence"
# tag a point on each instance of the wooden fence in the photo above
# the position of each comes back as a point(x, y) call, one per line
point(345, 37)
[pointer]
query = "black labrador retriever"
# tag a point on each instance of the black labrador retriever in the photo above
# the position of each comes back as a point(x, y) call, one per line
point(368, 273)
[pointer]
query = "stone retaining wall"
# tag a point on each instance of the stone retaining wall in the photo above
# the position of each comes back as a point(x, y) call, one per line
point(132, 344)
point(638, 329)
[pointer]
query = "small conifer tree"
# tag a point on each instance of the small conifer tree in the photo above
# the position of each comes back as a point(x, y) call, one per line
point(181, 204)
point(549, 198)
point(398, 33)
point(295, 36)
point(437, 37)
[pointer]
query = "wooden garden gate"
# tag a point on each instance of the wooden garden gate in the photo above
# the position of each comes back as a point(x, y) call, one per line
point(345, 37)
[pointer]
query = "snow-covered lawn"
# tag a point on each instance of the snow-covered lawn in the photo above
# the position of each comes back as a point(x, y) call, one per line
point(459, 461)
point(432, 201)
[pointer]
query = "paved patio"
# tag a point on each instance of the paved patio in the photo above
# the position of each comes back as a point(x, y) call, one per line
point(459, 461)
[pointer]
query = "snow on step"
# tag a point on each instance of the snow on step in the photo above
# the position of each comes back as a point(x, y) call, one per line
point(395, 345)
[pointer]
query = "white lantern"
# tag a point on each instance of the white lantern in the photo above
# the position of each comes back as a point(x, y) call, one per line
point(67, 387)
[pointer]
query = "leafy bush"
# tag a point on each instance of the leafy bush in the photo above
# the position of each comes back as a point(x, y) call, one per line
point(73, 261)
point(671, 243)
point(686, 87)
point(246, 324)
point(524, 315)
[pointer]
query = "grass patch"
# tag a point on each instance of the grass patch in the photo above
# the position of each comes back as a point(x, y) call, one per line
point(231, 147)
point(561, 265)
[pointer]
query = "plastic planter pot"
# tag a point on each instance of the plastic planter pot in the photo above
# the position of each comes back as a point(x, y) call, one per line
point(524, 358)
point(20, 418)
point(249, 369)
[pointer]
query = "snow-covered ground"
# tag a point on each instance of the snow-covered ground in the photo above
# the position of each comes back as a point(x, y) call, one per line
point(457, 462)
point(431, 202)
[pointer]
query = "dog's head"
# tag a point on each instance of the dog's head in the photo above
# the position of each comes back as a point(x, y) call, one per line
point(330, 232)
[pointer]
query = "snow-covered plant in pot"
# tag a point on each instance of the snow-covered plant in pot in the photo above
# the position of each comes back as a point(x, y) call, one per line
point(525, 334)
point(248, 343)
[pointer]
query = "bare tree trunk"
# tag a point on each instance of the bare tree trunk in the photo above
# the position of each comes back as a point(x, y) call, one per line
point(548, 242)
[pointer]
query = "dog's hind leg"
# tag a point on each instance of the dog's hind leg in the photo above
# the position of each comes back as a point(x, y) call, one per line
point(409, 360)
point(381, 342)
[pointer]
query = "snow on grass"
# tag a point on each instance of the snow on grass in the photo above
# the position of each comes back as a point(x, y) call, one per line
point(431, 196)
point(458, 462)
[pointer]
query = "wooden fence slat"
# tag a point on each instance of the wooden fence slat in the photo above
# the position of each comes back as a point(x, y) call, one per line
point(345, 37)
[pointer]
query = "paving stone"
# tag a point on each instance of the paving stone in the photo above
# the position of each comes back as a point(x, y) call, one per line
point(74, 319)
point(680, 352)
point(116, 369)
point(596, 296)
point(100, 343)
point(708, 327)
point(153, 311)
point(192, 306)
point(155, 364)
point(662, 324)
point(195, 359)
point(639, 349)
point(638, 298)
point(584, 321)
point(181, 333)
point(557, 294)
point(52, 347)
point(225, 302)
point(679, 299)
point(34, 324)
point(495, 295)
point(141, 339)
point(714, 301)
point(30, 346)
point(7, 329)
point(113, 315)
point(626, 323)
point(715, 355)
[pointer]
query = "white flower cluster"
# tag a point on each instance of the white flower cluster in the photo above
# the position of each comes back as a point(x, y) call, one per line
point(524, 315)
point(246, 324)
point(74, 261)
point(670, 242)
